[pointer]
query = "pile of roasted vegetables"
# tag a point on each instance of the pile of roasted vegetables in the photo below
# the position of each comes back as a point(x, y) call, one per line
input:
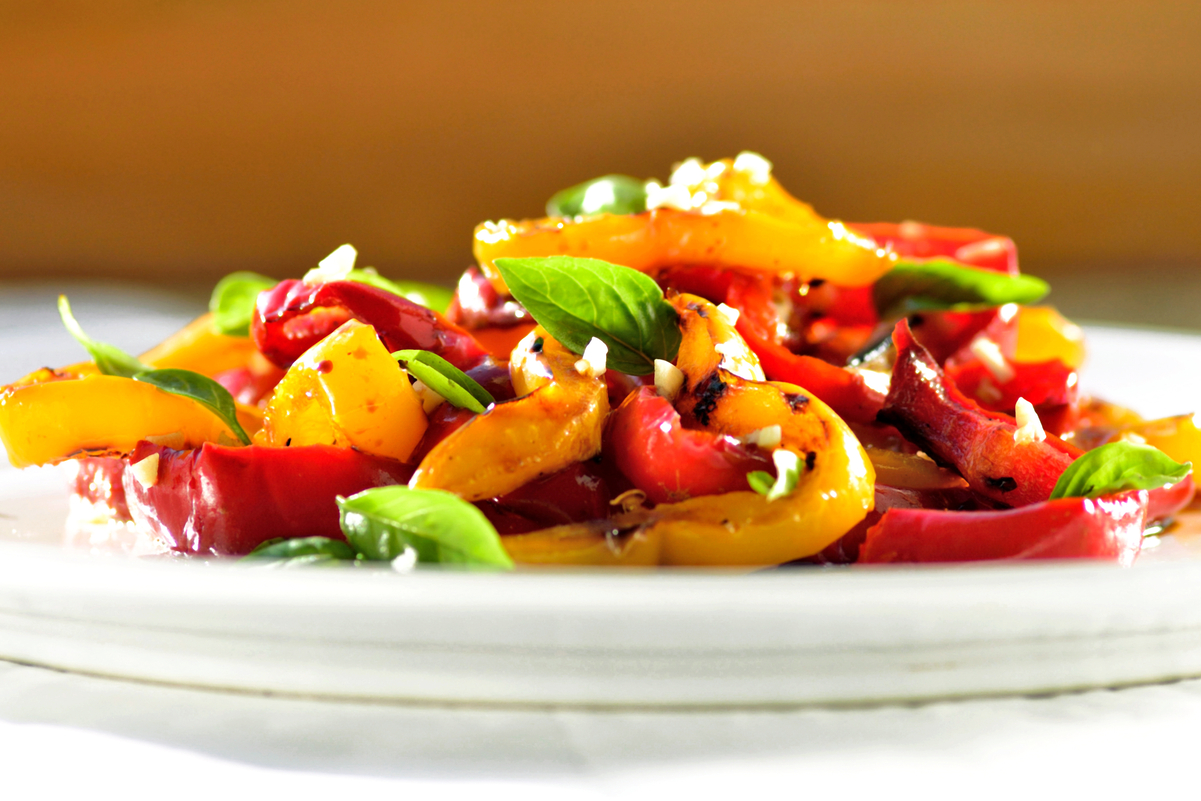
point(699, 373)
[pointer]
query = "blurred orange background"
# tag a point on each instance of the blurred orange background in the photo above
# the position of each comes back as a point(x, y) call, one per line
point(177, 141)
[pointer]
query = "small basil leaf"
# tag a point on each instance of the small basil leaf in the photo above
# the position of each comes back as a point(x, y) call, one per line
point(578, 299)
point(430, 296)
point(1117, 467)
point(610, 194)
point(458, 388)
point(202, 389)
point(788, 473)
point(110, 359)
point(384, 522)
point(944, 284)
point(302, 551)
point(233, 299)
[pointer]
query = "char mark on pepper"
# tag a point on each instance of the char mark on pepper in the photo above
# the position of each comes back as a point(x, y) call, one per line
point(796, 401)
point(708, 392)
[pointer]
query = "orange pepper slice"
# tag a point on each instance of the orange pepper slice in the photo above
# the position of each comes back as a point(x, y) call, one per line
point(556, 421)
point(738, 220)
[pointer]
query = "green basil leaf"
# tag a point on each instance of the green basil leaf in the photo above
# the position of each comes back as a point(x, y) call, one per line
point(609, 194)
point(430, 296)
point(200, 388)
point(233, 299)
point(578, 299)
point(788, 473)
point(382, 523)
point(458, 388)
point(110, 359)
point(1117, 467)
point(302, 551)
point(944, 284)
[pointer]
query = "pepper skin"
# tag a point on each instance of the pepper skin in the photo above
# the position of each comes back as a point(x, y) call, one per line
point(760, 227)
point(931, 412)
point(293, 316)
point(556, 420)
point(1101, 528)
point(226, 501)
point(671, 463)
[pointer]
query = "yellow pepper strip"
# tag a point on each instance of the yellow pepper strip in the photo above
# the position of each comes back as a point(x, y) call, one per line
point(598, 543)
point(55, 420)
point(346, 390)
point(199, 348)
point(555, 421)
point(1044, 334)
point(1178, 436)
point(732, 219)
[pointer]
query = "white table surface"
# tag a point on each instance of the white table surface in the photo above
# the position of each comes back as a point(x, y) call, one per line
point(62, 733)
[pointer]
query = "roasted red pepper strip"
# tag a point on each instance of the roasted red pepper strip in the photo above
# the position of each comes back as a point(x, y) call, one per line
point(931, 412)
point(1101, 528)
point(226, 501)
point(293, 316)
point(943, 333)
point(1163, 502)
point(671, 463)
point(842, 390)
point(1050, 383)
point(964, 245)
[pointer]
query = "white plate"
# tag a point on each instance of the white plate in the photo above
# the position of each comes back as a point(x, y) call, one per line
point(684, 639)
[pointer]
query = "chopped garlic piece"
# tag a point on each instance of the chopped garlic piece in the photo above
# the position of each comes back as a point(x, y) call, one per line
point(597, 196)
point(729, 312)
point(334, 267)
point(592, 360)
point(711, 207)
point(994, 361)
point(676, 197)
point(430, 400)
point(145, 472)
point(689, 172)
point(668, 379)
point(767, 438)
point(757, 168)
point(1030, 428)
point(739, 359)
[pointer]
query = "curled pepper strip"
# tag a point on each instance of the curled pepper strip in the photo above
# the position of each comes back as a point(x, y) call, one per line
point(293, 316)
point(670, 462)
point(556, 420)
point(834, 493)
point(931, 412)
point(739, 222)
point(1101, 528)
